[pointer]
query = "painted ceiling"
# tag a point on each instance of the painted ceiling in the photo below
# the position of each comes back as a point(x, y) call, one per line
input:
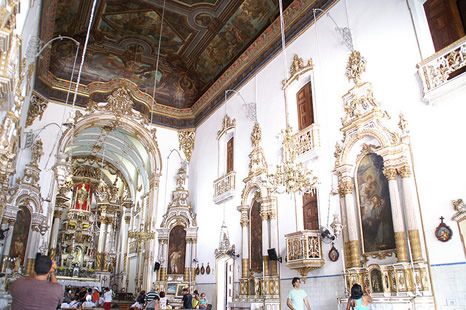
point(201, 42)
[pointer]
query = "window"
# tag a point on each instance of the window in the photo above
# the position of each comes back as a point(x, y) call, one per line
point(230, 155)
point(447, 21)
point(304, 102)
point(311, 213)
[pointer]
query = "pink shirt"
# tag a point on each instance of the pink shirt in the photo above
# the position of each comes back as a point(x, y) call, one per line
point(33, 294)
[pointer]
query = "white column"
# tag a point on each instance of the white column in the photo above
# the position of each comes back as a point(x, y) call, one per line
point(397, 215)
point(299, 214)
point(344, 221)
point(124, 240)
point(101, 243)
point(54, 234)
point(187, 259)
point(108, 239)
point(354, 259)
point(413, 230)
point(265, 235)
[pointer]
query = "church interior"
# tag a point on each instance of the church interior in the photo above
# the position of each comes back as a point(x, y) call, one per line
point(230, 146)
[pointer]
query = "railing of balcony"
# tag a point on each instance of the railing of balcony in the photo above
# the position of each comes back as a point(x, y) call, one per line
point(307, 139)
point(224, 186)
point(438, 68)
point(304, 249)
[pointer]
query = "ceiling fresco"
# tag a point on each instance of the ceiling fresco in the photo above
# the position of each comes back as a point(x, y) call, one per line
point(200, 40)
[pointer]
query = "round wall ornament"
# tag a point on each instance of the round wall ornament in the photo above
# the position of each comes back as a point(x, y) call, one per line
point(333, 254)
point(443, 231)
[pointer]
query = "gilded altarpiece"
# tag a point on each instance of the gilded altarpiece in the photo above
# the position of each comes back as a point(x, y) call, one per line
point(382, 248)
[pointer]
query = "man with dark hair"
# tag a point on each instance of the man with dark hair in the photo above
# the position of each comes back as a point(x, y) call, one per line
point(38, 291)
point(187, 299)
point(150, 296)
point(297, 297)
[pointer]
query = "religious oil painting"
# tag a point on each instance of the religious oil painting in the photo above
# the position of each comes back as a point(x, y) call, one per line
point(375, 205)
point(82, 197)
point(176, 250)
point(20, 234)
point(171, 288)
point(239, 30)
point(256, 238)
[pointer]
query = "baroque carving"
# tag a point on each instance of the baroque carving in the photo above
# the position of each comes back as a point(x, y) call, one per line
point(36, 153)
point(355, 67)
point(297, 69)
point(227, 124)
point(186, 142)
point(37, 106)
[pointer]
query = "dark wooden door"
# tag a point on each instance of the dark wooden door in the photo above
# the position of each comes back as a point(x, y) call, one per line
point(311, 214)
point(444, 18)
point(304, 101)
point(230, 155)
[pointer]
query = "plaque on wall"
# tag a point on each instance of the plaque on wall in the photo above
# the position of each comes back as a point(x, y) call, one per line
point(207, 270)
point(202, 269)
point(443, 232)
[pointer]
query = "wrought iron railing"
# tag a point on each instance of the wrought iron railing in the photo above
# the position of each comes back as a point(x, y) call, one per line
point(436, 70)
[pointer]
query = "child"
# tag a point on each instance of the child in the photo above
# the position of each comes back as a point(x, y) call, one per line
point(203, 302)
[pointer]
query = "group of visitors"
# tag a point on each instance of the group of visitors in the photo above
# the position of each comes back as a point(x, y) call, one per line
point(153, 300)
point(194, 301)
point(85, 298)
point(297, 297)
point(41, 290)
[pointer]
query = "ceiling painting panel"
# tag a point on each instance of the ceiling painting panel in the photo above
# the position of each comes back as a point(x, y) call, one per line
point(200, 41)
point(66, 16)
point(196, 2)
point(101, 66)
point(241, 28)
point(145, 26)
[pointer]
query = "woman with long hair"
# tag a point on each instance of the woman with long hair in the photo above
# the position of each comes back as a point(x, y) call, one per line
point(358, 300)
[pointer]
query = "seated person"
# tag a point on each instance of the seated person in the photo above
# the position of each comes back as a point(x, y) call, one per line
point(88, 303)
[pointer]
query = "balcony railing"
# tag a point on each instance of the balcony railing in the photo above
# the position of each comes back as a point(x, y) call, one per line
point(307, 139)
point(436, 70)
point(224, 187)
point(304, 251)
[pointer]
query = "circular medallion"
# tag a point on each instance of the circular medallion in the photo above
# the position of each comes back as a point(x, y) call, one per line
point(333, 254)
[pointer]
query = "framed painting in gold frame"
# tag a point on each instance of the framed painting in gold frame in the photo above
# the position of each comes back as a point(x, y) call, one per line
point(179, 289)
point(374, 205)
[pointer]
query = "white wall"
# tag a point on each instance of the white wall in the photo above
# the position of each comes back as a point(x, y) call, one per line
point(383, 32)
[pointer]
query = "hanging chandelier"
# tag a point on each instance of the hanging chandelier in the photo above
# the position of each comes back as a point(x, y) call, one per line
point(291, 176)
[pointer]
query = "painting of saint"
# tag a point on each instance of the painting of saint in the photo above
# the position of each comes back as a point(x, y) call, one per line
point(20, 234)
point(256, 238)
point(375, 205)
point(176, 250)
point(82, 197)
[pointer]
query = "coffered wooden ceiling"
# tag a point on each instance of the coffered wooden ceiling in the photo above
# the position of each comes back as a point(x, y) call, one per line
point(206, 47)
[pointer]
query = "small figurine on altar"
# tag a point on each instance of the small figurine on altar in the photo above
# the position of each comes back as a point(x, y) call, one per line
point(17, 265)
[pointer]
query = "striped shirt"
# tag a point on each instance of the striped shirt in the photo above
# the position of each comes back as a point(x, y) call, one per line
point(151, 295)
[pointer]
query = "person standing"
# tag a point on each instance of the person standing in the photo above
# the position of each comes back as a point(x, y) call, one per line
point(187, 299)
point(29, 292)
point(358, 300)
point(297, 297)
point(108, 298)
point(150, 296)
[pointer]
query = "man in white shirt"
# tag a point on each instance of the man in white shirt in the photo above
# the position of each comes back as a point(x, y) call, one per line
point(297, 297)
point(107, 298)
